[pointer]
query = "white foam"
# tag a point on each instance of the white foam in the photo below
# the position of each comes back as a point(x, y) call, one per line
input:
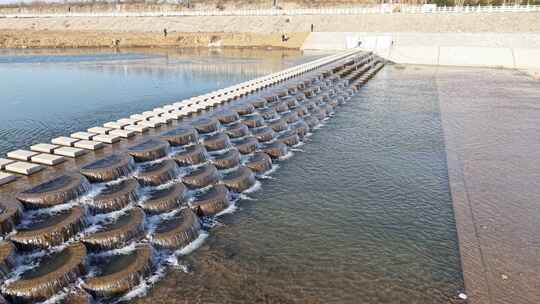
point(177, 170)
point(110, 217)
point(220, 129)
point(222, 151)
point(287, 156)
point(267, 174)
point(176, 180)
point(16, 272)
point(153, 221)
point(29, 261)
point(256, 187)
point(97, 222)
point(145, 285)
point(194, 192)
point(124, 250)
point(245, 197)
point(29, 215)
point(225, 171)
point(196, 244)
point(230, 209)
point(57, 298)
point(155, 161)
point(300, 144)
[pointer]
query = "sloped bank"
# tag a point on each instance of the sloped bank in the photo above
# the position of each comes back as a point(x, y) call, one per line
point(29, 38)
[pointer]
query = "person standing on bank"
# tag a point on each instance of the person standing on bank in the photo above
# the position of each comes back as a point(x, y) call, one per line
point(165, 32)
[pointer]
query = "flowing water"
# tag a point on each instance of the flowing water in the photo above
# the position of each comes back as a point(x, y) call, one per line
point(51, 93)
point(361, 213)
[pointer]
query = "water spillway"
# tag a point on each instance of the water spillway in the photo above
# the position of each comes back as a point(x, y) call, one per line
point(106, 222)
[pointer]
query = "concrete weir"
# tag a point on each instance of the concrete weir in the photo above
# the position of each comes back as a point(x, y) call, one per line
point(107, 220)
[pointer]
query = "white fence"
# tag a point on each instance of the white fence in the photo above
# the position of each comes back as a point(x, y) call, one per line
point(382, 9)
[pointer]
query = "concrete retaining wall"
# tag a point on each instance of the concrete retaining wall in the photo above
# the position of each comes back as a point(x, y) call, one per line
point(508, 50)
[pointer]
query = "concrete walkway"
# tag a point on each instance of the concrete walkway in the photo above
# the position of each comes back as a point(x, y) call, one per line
point(508, 50)
point(491, 123)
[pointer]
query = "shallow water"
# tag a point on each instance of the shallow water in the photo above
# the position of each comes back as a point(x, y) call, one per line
point(362, 214)
point(50, 93)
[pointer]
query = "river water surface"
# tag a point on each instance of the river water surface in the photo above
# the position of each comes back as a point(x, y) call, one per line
point(360, 214)
point(47, 93)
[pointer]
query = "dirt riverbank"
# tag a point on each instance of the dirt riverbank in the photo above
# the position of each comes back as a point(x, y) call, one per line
point(239, 31)
point(80, 39)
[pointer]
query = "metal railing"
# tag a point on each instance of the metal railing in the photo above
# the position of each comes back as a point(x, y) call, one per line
point(382, 9)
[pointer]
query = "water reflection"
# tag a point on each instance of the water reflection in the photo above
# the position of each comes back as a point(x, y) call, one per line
point(48, 93)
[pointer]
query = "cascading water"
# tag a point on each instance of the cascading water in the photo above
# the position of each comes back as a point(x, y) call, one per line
point(113, 239)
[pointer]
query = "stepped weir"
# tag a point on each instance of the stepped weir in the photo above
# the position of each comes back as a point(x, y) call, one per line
point(94, 215)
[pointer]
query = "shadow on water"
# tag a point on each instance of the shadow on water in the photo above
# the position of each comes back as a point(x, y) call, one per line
point(362, 215)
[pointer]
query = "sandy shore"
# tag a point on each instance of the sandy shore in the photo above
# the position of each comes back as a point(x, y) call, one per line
point(79, 39)
point(436, 23)
point(239, 31)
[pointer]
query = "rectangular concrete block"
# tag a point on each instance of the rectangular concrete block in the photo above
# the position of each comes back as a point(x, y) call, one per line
point(136, 128)
point(70, 152)
point(23, 168)
point(99, 130)
point(21, 154)
point(149, 124)
point(108, 139)
point(186, 111)
point(163, 120)
point(48, 159)
point(89, 145)
point(114, 125)
point(415, 55)
point(83, 135)
point(169, 108)
point(476, 56)
point(127, 121)
point(123, 133)
point(6, 178)
point(178, 114)
point(44, 148)
point(170, 116)
point(159, 111)
point(4, 162)
point(140, 117)
point(64, 141)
